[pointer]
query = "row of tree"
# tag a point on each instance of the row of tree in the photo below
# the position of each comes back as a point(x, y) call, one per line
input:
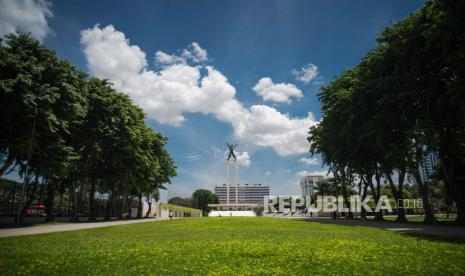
point(66, 130)
point(403, 101)
point(199, 200)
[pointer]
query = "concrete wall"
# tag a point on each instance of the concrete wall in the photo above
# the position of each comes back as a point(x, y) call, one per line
point(215, 213)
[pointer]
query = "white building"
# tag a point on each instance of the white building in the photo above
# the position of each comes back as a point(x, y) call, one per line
point(307, 184)
point(427, 168)
point(246, 193)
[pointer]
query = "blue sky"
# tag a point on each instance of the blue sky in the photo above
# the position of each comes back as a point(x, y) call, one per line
point(218, 52)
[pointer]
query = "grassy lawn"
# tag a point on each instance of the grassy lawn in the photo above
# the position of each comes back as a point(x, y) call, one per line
point(229, 246)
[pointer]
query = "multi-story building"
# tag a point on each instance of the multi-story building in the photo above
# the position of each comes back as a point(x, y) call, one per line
point(427, 168)
point(246, 193)
point(307, 184)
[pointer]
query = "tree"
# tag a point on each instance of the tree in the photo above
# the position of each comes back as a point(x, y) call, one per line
point(402, 101)
point(46, 95)
point(201, 198)
point(74, 132)
point(186, 202)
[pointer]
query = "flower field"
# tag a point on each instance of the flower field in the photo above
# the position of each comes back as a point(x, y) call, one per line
point(221, 246)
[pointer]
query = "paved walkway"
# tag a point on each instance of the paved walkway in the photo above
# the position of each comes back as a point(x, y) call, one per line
point(455, 232)
point(22, 231)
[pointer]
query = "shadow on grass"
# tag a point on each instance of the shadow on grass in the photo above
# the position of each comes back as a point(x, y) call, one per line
point(439, 222)
point(434, 238)
point(428, 231)
point(431, 232)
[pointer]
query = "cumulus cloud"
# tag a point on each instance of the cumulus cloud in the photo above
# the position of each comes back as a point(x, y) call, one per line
point(306, 74)
point(279, 92)
point(179, 88)
point(25, 16)
point(308, 161)
point(243, 158)
point(199, 54)
point(194, 52)
point(164, 58)
point(267, 127)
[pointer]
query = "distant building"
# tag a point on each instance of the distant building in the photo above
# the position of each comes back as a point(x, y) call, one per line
point(427, 168)
point(307, 184)
point(247, 193)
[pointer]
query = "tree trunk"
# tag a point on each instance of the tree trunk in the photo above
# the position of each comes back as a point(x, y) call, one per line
point(31, 195)
point(423, 190)
point(139, 206)
point(74, 215)
point(60, 202)
point(110, 204)
point(123, 204)
point(149, 202)
point(346, 199)
point(50, 200)
point(423, 187)
point(68, 207)
point(377, 194)
point(398, 195)
point(12, 200)
point(400, 205)
point(363, 212)
point(456, 194)
point(452, 167)
point(92, 214)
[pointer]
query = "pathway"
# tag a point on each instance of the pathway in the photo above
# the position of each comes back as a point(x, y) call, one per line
point(22, 231)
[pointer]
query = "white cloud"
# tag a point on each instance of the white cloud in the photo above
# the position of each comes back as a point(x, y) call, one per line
point(178, 88)
point(243, 158)
point(307, 73)
point(193, 53)
point(25, 16)
point(267, 127)
point(308, 161)
point(164, 58)
point(268, 172)
point(109, 55)
point(199, 54)
point(279, 92)
point(322, 173)
point(193, 156)
point(302, 173)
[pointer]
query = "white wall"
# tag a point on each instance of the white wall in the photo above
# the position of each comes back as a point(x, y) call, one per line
point(215, 213)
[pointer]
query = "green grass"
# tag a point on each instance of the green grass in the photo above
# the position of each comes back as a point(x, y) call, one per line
point(178, 208)
point(219, 246)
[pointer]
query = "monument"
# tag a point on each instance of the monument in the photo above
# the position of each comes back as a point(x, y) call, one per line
point(232, 209)
point(232, 156)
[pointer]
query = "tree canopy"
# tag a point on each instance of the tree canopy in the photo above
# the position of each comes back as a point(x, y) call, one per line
point(69, 130)
point(403, 101)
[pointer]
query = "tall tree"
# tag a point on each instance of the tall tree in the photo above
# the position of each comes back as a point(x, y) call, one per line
point(201, 198)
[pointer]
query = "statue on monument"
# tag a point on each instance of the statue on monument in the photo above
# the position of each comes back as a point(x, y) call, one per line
point(231, 151)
